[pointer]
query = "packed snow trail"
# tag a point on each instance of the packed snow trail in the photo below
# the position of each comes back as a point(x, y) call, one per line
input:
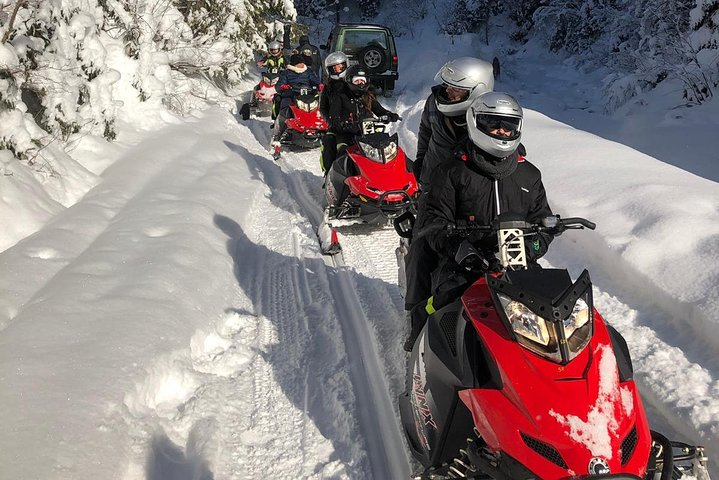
point(377, 410)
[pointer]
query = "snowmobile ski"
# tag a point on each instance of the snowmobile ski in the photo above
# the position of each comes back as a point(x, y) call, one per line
point(327, 235)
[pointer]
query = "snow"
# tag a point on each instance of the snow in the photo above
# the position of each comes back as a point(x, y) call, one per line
point(165, 312)
point(600, 427)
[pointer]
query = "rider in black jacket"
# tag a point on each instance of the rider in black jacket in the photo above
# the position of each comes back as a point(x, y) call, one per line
point(346, 113)
point(344, 105)
point(490, 179)
point(442, 129)
point(334, 94)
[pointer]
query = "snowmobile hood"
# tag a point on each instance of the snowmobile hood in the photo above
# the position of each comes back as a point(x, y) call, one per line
point(560, 418)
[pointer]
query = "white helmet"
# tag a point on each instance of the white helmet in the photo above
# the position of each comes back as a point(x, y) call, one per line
point(467, 77)
point(333, 59)
point(494, 123)
point(275, 48)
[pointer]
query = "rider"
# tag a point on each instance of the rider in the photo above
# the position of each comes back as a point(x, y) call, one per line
point(346, 110)
point(296, 74)
point(335, 94)
point(442, 128)
point(274, 58)
point(312, 52)
point(490, 179)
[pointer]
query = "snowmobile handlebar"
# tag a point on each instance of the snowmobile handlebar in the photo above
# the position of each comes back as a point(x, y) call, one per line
point(553, 225)
point(388, 119)
point(302, 89)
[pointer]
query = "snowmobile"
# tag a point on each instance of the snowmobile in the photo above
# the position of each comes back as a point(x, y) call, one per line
point(305, 124)
point(521, 378)
point(262, 96)
point(373, 181)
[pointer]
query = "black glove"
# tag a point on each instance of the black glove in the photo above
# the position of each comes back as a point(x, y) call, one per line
point(469, 257)
point(393, 117)
point(349, 127)
point(535, 246)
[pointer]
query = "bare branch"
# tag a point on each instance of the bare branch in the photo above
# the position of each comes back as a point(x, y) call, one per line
point(10, 22)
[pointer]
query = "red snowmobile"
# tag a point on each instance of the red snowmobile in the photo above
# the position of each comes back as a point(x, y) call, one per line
point(521, 378)
point(305, 124)
point(262, 96)
point(371, 183)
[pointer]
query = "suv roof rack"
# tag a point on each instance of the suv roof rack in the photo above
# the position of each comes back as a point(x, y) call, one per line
point(355, 24)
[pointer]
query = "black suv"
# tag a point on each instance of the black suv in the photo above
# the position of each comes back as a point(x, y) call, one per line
point(372, 46)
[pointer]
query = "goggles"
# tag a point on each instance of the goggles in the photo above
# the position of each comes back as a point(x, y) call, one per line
point(359, 80)
point(496, 126)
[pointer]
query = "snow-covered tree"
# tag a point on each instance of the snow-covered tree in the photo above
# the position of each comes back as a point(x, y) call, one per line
point(369, 8)
point(469, 15)
point(53, 57)
point(704, 40)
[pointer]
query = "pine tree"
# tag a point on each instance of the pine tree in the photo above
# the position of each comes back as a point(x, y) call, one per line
point(705, 47)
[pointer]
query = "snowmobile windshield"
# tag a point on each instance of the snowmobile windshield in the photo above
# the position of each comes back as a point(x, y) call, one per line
point(560, 336)
point(498, 126)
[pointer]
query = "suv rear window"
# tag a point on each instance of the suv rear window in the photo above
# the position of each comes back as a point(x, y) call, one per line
point(355, 40)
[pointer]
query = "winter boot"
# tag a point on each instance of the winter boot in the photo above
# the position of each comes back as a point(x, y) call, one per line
point(417, 318)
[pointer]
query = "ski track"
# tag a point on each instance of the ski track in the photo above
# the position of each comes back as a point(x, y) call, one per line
point(376, 405)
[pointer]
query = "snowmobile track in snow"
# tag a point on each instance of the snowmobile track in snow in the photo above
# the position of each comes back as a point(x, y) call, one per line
point(377, 415)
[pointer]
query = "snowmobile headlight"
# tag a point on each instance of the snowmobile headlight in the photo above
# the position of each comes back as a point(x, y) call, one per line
point(524, 322)
point(577, 327)
point(390, 151)
point(533, 332)
point(371, 152)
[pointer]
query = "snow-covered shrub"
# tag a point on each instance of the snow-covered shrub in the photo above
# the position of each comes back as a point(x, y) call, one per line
point(704, 40)
point(467, 16)
point(369, 8)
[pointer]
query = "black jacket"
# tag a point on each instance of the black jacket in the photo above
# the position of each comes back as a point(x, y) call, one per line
point(336, 95)
point(343, 110)
point(437, 139)
point(462, 189)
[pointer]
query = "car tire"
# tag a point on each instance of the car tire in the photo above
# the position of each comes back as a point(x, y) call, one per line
point(373, 58)
point(388, 88)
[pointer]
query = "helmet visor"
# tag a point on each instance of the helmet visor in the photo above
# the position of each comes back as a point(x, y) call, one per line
point(274, 51)
point(499, 127)
point(450, 94)
point(337, 68)
point(359, 80)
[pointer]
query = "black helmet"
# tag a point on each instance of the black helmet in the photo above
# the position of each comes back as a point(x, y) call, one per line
point(357, 79)
point(297, 59)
